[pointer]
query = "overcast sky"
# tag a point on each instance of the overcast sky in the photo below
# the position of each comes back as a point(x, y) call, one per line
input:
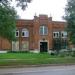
point(54, 8)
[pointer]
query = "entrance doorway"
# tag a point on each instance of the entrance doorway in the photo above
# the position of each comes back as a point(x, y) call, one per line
point(43, 46)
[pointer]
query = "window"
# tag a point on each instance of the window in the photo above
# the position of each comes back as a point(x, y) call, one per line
point(17, 33)
point(25, 33)
point(64, 44)
point(55, 34)
point(25, 45)
point(43, 30)
point(64, 34)
point(15, 45)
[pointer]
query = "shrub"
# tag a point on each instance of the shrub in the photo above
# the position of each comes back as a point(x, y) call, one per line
point(73, 54)
point(66, 53)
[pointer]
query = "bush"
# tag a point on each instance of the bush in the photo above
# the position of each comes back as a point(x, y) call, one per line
point(73, 54)
point(53, 53)
point(64, 53)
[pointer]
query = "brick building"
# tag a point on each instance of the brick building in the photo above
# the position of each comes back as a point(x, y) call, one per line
point(39, 34)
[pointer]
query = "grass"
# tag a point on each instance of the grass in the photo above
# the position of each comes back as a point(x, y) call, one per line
point(33, 59)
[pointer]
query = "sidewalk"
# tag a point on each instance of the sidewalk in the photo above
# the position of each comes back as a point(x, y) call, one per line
point(41, 65)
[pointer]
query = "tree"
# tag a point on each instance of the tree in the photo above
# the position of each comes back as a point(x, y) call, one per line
point(8, 18)
point(7, 22)
point(70, 18)
point(22, 3)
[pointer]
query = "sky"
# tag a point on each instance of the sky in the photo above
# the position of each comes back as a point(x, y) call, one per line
point(53, 8)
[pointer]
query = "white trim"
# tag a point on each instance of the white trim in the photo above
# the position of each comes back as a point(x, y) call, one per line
point(3, 51)
point(56, 32)
point(16, 32)
point(14, 44)
point(26, 44)
point(35, 51)
point(43, 30)
point(26, 32)
point(64, 34)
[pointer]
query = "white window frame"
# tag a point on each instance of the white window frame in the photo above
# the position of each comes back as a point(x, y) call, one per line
point(26, 32)
point(56, 32)
point(17, 31)
point(43, 27)
point(64, 34)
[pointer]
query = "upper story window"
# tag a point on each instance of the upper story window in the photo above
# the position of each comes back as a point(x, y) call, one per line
point(56, 34)
point(25, 33)
point(43, 30)
point(63, 34)
point(17, 33)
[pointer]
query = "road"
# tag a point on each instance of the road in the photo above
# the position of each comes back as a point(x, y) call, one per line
point(51, 70)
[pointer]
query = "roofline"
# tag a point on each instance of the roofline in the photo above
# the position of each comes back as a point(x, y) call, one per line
point(24, 19)
point(60, 21)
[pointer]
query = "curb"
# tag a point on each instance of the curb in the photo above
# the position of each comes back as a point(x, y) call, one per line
point(41, 65)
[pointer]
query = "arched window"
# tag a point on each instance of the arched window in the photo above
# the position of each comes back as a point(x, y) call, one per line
point(25, 33)
point(43, 30)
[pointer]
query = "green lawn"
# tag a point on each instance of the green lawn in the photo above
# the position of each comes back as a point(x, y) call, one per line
point(33, 59)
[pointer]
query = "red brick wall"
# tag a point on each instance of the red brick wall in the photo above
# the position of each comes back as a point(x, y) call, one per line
point(5, 44)
point(34, 36)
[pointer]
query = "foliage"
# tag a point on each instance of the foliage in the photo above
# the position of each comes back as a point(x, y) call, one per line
point(7, 22)
point(8, 18)
point(73, 54)
point(22, 3)
point(64, 53)
point(70, 18)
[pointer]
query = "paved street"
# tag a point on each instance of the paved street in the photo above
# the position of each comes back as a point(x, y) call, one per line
point(52, 70)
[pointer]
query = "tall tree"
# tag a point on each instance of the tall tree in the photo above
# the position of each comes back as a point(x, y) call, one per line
point(7, 22)
point(22, 3)
point(70, 18)
point(8, 18)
